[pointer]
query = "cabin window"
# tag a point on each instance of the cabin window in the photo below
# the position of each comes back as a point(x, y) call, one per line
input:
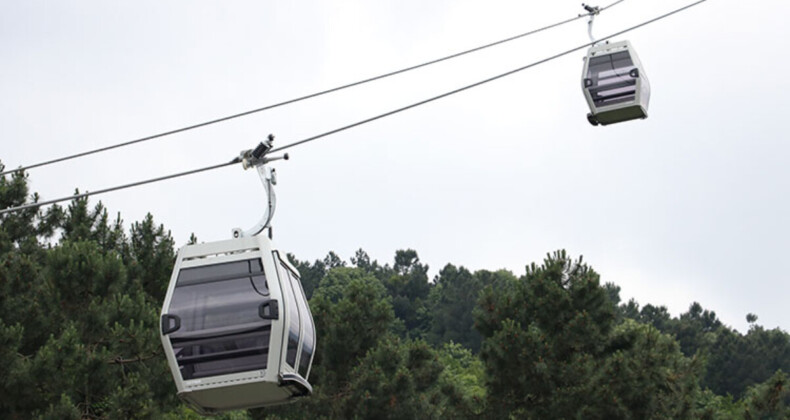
point(308, 342)
point(294, 327)
point(221, 331)
point(611, 79)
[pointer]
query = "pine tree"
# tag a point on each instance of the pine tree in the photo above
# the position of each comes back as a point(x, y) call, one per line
point(552, 350)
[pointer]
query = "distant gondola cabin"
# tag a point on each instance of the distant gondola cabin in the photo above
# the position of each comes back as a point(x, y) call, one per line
point(614, 84)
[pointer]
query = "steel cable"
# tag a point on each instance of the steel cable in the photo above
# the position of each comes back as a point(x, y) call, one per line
point(337, 130)
point(298, 99)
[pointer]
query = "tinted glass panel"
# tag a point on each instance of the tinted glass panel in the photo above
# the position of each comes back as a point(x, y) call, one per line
point(218, 271)
point(221, 331)
point(293, 344)
point(610, 79)
point(293, 323)
point(200, 358)
point(308, 330)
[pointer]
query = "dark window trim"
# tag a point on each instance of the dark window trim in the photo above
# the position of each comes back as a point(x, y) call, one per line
point(250, 272)
point(285, 271)
point(220, 332)
point(229, 354)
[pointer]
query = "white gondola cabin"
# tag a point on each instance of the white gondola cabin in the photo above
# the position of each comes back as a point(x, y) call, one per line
point(614, 84)
point(236, 327)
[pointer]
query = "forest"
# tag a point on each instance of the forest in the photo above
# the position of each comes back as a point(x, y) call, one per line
point(80, 297)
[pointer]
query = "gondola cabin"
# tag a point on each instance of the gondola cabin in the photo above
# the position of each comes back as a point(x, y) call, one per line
point(614, 84)
point(236, 327)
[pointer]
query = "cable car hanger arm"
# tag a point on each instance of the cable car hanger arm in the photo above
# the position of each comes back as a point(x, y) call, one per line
point(592, 11)
point(257, 158)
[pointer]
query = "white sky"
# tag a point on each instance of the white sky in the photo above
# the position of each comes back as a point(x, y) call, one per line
point(688, 205)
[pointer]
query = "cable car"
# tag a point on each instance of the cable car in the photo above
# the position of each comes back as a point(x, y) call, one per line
point(613, 80)
point(614, 84)
point(235, 325)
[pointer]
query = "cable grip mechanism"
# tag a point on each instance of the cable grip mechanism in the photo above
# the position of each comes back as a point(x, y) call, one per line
point(257, 158)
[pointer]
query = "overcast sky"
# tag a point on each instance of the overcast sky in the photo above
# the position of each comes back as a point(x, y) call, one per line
point(689, 205)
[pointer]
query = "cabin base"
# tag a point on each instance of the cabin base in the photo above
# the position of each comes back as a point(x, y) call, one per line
point(618, 115)
point(237, 396)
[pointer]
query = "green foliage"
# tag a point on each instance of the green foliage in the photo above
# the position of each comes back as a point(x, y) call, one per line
point(63, 409)
point(551, 350)
point(643, 375)
point(696, 328)
point(769, 400)
point(151, 256)
point(361, 259)
point(452, 301)
point(735, 361)
point(710, 406)
point(78, 334)
point(12, 366)
point(395, 380)
point(465, 371)
point(542, 336)
point(185, 413)
point(738, 361)
point(352, 313)
point(22, 288)
point(360, 370)
point(408, 286)
point(15, 228)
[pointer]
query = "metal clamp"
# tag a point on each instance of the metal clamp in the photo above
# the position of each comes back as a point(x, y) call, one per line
point(256, 157)
point(593, 10)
